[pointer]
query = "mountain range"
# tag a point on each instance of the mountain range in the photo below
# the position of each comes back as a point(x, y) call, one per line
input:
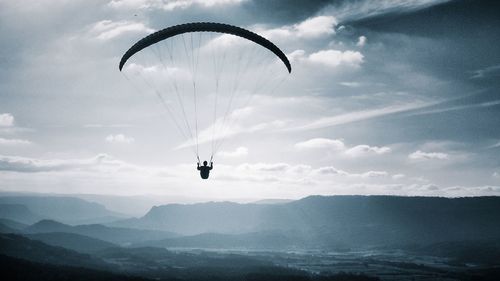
point(324, 222)
point(231, 240)
point(335, 220)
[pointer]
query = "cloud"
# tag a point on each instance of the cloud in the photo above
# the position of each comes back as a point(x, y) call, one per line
point(442, 145)
point(103, 126)
point(458, 107)
point(157, 73)
point(224, 41)
point(363, 149)
point(228, 129)
point(119, 138)
point(356, 10)
point(335, 58)
point(6, 120)
point(420, 155)
point(398, 176)
point(275, 173)
point(300, 169)
point(347, 118)
point(330, 58)
point(374, 174)
point(350, 84)
point(495, 145)
point(339, 145)
point(315, 27)
point(132, 4)
point(239, 152)
point(310, 28)
point(496, 175)
point(230, 126)
point(108, 29)
point(491, 71)
point(361, 41)
point(321, 143)
point(333, 100)
point(169, 5)
point(296, 55)
point(430, 187)
point(330, 170)
point(305, 171)
point(471, 190)
point(265, 167)
point(31, 165)
point(12, 142)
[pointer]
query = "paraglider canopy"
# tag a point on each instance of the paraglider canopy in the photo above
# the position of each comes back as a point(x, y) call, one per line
point(227, 64)
point(203, 27)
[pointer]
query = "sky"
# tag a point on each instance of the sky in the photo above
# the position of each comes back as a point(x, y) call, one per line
point(385, 97)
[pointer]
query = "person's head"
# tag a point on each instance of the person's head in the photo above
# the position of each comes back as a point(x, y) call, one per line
point(205, 163)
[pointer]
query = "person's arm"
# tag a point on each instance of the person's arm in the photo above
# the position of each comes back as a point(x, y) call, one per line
point(211, 165)
point(198, 168)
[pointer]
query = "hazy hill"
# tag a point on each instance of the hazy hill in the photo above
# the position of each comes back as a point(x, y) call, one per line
point(190, 219)
point(21, 247)
point(132, 206)
point(13, 224)
point(6, 229)
point(256, 240)
point(355, 220)
point(116, 235)
point(44, 226)
point(72, 241)
point(389, 219)
point(18, 212)
point(65, 209)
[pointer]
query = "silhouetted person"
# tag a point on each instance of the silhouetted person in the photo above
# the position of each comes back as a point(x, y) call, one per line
point(205, 170)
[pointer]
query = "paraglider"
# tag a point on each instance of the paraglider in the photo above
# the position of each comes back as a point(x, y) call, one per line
point(205, 170)
point(229, 63)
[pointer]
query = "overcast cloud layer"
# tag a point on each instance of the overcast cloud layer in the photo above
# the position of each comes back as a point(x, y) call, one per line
point(385, 97)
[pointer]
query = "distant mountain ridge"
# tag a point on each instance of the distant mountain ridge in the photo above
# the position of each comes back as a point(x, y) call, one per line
point(64, 209)
point(115, 235)
point(13, 224)
point(257, 240)
point(329, 220)
point(191, 219)
point(72, 241)
point(18, 212)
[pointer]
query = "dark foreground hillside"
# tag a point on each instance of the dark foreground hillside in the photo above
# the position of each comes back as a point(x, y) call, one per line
point(14, 269)
point(18, 269)
point(26, 259)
